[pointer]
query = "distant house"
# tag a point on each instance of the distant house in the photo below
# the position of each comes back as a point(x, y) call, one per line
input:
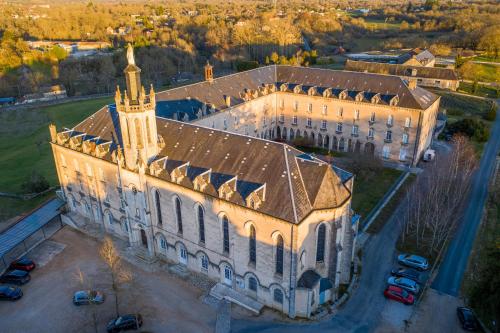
point(414, 57)
point(46, 93)
point(438, 77)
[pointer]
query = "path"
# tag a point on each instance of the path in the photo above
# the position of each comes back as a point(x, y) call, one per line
point(449, 278)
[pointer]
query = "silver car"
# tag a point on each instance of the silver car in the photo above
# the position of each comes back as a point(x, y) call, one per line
point(84, 297)
point(404, 283)
point(414, 261)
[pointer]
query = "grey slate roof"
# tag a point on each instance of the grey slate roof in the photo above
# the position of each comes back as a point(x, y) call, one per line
point(186, 99)
point(402, 70)
point(294, 186)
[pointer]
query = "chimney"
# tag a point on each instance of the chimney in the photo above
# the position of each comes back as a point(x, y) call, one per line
point(209, 74)
point(228, 101)
point(53, 132)
point(412, 83)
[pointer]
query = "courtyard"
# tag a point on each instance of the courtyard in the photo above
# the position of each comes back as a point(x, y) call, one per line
point(167, 303)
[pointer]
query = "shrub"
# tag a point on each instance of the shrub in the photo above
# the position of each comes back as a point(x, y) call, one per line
point(246, 65)
point(472, 128)
point(36, 183)
point(491, 115)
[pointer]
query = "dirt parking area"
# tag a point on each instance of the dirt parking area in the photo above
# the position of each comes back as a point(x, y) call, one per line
point(167, 303)
point(437, 313)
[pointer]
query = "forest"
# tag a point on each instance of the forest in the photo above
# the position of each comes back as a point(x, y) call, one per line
point(172, 37)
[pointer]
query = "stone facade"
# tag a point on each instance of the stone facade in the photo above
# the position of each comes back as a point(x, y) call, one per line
point(288, 251)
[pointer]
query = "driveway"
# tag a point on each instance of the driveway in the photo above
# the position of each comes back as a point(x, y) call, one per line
point(451, 271)
point(167, 303)
point(367, 310)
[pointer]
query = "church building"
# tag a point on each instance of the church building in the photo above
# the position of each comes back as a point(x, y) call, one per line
point(193, 176)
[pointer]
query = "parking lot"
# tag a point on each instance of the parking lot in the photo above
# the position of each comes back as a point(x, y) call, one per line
point(167, 303)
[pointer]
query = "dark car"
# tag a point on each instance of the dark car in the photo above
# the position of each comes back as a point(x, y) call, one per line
point(467, 318)
point(9, 293)
point(84, 297)
point(407, 273)
point(23, 264)
point(125, 322)
point(16, 277)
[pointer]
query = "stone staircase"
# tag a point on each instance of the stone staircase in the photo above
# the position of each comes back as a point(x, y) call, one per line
point(223, 292)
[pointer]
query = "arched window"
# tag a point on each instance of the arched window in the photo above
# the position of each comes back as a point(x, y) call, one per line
point(278, 296)
point(129, 138)
point(279, 255)
point(320, 244)
point(204, 263)
point(158, 207)
point(201, 223)
point(138, 132)
point(252, 245)
point(148, 131)
point(225, 234)
point(252, 284)
point(178, 215)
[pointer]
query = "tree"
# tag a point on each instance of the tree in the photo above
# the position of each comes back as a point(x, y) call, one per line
point(267, 60)
point(119, 274)
point(87, 284)
point(275, 57)
point(490, 41)
point(434, 200)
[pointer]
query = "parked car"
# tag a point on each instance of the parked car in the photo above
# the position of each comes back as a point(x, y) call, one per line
point(23, 264)
point(10, 293)
point(399, 294)
point(15, 277)
point(126, 322)
point(84, 297)
point(404, 283)
point(413, 261)
point(467, 319)
point(407, 273)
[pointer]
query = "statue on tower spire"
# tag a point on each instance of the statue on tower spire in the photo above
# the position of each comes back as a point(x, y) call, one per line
point(130, 54)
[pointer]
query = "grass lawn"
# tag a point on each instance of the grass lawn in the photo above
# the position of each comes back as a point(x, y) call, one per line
point(488, 59)
point(485, 73)
point(370, 187)
point(391, 206)
point(375, 24)
point(484, 91)
point(24, 146)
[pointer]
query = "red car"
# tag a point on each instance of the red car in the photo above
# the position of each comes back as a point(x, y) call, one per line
point(399, 294)
point(22, 264)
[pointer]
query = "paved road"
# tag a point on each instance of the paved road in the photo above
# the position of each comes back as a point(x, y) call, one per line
point(366, 308)
point(451, 271)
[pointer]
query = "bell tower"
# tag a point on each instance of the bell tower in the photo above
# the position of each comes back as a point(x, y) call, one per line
point(136, 111)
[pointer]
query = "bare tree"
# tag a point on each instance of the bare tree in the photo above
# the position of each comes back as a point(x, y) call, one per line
point(87, 284)
point(434, 201)
point(119, 274)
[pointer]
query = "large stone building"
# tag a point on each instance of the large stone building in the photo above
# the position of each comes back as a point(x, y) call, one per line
point(191, 174)
point(261, 217)
point(434, 77)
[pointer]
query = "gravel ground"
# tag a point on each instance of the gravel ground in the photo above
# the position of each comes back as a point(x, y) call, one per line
point(167, 303)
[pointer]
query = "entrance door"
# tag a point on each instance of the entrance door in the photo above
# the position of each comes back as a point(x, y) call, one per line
point(144, 239)
point(183, 255)
point(228, 275)
point(322, 297)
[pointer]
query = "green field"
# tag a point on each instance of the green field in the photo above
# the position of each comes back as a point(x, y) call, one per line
point(369, 188)
point(24, 147)
point(483, 91)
